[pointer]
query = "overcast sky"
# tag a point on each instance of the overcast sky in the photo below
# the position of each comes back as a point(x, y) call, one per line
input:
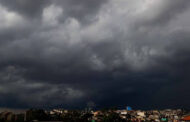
point(66, 53)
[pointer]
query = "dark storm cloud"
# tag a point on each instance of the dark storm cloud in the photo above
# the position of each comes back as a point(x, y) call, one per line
point(82, 10)
point(164, 11)
point(28, 8)
point(114, 53)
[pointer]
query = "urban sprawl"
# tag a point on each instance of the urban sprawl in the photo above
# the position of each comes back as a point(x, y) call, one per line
point(105, 115)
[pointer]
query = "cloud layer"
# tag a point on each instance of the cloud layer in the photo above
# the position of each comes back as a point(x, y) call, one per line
point(114, 53)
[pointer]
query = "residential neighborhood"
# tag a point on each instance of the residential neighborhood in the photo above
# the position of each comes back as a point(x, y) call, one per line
point(104, 115)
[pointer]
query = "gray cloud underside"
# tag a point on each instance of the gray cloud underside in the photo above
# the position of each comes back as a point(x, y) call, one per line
point(66, 53)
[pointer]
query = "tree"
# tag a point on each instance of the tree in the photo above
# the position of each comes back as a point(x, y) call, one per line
point(111, 116)
point(36, 114)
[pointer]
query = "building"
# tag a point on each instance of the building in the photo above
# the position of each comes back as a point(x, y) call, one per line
point(186, 118)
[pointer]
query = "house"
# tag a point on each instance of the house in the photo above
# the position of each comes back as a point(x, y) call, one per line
point(186, 118)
